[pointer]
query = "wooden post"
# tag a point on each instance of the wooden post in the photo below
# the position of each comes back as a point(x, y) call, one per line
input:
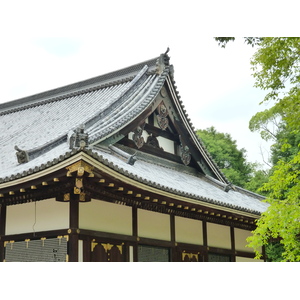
point(2, 230)
point(135, 232)
point(204, 228)
point(232, 243)
point(174, 253)
point(74, 228)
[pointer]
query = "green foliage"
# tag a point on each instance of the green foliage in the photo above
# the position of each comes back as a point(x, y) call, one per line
point(274, 251)
point(222, 41)
point(286, 146)
point(281, 220)
point(231, 160)
point(276, 66)
point(258, 178)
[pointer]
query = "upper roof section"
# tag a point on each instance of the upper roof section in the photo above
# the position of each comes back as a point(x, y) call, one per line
point(99, 110)
point(102, 81)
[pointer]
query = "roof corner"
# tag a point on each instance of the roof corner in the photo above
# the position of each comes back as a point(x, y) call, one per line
point(162, 62)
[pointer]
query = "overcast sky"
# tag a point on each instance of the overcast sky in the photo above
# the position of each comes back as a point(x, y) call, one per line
point(44, 47)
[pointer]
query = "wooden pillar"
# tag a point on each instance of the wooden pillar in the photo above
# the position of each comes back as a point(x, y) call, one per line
point(174, 254)
point(74, 228)
point(232, 243)
point(135, 232)
point(2, 230)
point(204, 228)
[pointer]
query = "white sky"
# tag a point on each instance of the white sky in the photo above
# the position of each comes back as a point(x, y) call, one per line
point(47, 46)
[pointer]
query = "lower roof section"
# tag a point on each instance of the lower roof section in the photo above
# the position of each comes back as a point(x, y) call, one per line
point(171, 179)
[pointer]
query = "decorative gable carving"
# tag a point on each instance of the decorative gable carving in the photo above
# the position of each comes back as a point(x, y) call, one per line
point(162, 117)
point(137, 136)
point(184, 152)
point(153, 141)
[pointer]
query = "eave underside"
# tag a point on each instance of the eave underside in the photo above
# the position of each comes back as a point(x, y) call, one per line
point(86, 181)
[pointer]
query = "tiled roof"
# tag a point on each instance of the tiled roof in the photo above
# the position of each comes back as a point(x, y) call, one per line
point(175, 180)
point(42, 124)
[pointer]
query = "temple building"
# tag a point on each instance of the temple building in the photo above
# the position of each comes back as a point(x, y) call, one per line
point(110, 169)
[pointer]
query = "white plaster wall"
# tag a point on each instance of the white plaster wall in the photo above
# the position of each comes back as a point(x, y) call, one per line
point(37, 216)
point(218, 236)
point(104, 216)
point(246, 259)
point(166, 144)
point(240, 236)
point(153, 225)
point(188, 231)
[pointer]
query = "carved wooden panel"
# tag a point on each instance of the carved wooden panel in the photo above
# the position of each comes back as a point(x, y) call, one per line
point(162, 117)
point(137, 136)
point(106, 252)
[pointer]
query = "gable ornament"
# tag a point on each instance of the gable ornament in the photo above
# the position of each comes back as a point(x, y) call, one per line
point(153, 141)
point(185, 154)
point(162, 117)
point(79, 138)
point(137, 136)
point(22, 155)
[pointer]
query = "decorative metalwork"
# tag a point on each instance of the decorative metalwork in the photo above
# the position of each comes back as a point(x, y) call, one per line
point(80, 167)
point(162, 117)
point(192, 257)
point(137, 136)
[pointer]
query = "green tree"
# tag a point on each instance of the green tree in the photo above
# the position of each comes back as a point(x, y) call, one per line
point(276, 66)
point(231, 160)
point(258, 178)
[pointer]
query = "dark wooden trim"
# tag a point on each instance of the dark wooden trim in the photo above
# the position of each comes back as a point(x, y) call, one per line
point(74, 225)
point(232, 237)
point(173, 253)
point(245, 254)
point(134, 232)
point(172, 227)
point(84, 233)
point(163, 133)
point(151, 150)
point(204, 229)
point(2, 230)
point(2, 219)
point(74, 212)
point(86, 249)
point(134, 221)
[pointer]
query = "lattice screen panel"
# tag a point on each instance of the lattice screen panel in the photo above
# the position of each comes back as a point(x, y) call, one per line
point(212, 257)
point(44, 250)
point(153, 254)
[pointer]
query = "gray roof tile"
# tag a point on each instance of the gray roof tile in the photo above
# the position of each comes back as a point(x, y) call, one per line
point(41, 124)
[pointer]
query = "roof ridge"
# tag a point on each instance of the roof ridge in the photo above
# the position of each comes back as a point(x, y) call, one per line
point(101, 81)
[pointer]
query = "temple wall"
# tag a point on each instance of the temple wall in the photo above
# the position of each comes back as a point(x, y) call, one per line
point(24, 218)
point(246, 259)
point(218, 236)
point(153, 225)
point(166, 144)
point(240, 236)
point(104, 216)
point(188, 231)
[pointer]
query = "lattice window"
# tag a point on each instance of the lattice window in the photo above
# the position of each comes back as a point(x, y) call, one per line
point(153, 254)
point(42, 250)
point(213, 257)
